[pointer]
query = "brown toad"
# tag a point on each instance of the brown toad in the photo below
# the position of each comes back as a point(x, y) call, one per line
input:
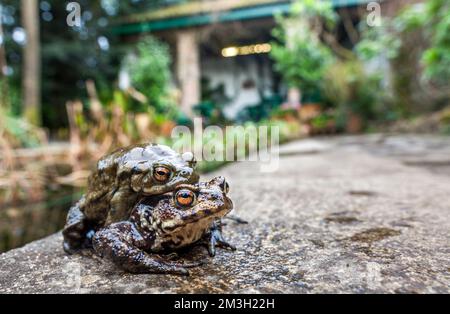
point(120, 179)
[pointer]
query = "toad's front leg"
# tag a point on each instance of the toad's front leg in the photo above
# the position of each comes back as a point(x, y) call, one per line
point(215, 238)
point(77, 230)
point(121, 243)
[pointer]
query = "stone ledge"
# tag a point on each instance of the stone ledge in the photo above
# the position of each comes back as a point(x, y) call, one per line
point(341, 220)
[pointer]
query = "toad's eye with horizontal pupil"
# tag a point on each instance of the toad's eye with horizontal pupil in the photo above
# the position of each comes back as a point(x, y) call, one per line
point(161, 174)
point(185, 197)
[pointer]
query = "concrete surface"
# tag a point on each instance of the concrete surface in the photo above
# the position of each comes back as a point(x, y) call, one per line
point(342, 215)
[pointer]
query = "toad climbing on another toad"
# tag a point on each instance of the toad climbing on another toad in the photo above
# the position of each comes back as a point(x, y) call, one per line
point(119, 181)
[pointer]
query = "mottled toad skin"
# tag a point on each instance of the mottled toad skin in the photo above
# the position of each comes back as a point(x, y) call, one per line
point(119, 181)
point(161, 224)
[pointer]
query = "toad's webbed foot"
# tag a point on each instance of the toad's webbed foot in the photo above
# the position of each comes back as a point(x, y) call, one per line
point(78, 231)
point(236, 219)
point(122, 243)
point(215, 238)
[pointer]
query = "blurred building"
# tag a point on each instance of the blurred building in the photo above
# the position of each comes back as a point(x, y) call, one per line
point(223, 45)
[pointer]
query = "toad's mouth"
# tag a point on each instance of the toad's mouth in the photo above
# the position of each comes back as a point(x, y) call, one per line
point(200, 219)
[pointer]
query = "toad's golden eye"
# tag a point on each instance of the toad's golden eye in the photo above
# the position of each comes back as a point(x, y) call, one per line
point(161, 174)
point(185, 197)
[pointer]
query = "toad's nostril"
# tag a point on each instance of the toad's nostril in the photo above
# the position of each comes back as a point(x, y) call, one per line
point(184, 173)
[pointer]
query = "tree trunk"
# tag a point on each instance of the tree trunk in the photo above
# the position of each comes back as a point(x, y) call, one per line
point(31, 80)
point(4, 96)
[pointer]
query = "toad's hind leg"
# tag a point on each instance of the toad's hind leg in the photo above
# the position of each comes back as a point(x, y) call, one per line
point(122, 202)
point(76, 230)
point(119, 243)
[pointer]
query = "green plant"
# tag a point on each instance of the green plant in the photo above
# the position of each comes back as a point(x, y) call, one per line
point(352, 91)
point(300, 55)
point(150, 73)
point(213, 101)
point(322, 121)
point(437, 57)
point(288, 130)
point(261, 111)
point(417, 43)
point(211, 112)
point(19, 133)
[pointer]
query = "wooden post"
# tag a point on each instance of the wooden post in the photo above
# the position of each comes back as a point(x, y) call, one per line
point(293, 30)
point(188, 70)
point(31, 80)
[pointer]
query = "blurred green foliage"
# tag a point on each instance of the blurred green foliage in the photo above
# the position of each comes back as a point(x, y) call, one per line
point(149, 70)
point(219, 138)
point(70, 55)
point(300, 56)
point(322, 121)
point(213, 100)
point(211, 112)
point(18, 132)
point(149, 67)
point(353, 91)
point(421, 29)
point(437, 57)
point(263, 110)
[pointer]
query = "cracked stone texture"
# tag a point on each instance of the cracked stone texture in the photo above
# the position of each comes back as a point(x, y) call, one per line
point(355, 214)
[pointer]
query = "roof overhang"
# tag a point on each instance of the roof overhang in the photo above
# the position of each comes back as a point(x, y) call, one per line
point(198, 13)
